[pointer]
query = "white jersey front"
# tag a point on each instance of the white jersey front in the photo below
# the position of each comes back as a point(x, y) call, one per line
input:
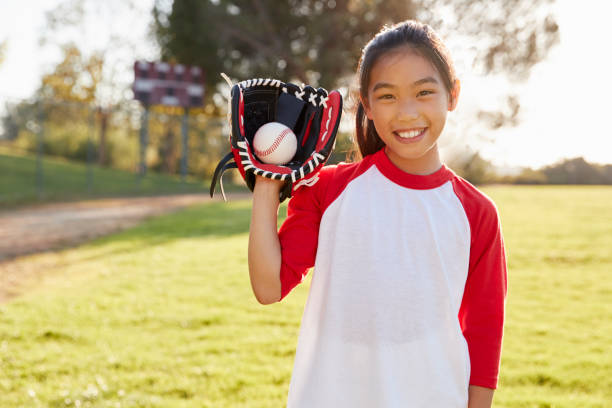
point(382, 326)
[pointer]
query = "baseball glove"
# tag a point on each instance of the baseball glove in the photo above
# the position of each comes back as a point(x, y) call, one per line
point(312, 114)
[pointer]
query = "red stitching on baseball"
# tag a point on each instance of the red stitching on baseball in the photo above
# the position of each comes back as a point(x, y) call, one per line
point(277, 141)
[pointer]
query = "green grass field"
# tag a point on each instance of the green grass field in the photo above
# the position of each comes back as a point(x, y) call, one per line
point(65, 180)
point(163, 315)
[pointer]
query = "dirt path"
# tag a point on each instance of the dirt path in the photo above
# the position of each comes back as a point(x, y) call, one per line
point(48, 227)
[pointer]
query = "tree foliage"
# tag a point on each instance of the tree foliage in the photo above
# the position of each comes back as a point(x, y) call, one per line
point(319, 42)
point(76, 78)
point(505, 36)
point(101, 29)
point(578, 171)
point(567, 171)
point(474, 168)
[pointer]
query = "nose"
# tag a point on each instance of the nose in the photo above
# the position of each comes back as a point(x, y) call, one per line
point(408, 110)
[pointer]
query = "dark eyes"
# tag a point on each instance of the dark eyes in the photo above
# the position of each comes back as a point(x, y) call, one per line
point(391, 96)
point(423, 93)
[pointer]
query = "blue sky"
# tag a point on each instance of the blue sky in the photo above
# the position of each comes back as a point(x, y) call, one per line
point(565, 105)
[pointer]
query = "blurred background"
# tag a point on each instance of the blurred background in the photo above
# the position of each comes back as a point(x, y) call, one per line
point(162, 314)
point(533, 106)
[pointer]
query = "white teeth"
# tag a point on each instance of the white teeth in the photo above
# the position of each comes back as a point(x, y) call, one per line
point(410, 134)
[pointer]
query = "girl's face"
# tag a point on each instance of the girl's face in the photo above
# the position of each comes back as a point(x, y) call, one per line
point(408, 103)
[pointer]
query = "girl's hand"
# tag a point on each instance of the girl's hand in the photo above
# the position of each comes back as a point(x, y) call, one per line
point(265, 185)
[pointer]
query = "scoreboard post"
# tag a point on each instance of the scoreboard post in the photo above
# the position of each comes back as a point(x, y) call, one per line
point(162, 83)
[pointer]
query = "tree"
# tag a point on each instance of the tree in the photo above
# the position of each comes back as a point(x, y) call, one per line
point(575, 171)
point(506, 36)
point(16, 118)
point(70, 92)
point(319, 42)
point(74, 79)
point(68, 104)
point(474, 168)
point(529, 176)
point(112, 60)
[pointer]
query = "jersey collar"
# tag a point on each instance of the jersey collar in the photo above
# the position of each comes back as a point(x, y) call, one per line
point(415, 181)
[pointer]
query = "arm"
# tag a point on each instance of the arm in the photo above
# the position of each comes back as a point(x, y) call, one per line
point(480, 397)
point(264, 246)
point(279, 260)
point(482, 310)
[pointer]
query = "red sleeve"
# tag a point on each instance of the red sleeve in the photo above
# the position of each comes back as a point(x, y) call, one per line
point(481, 314)
point(299, 234)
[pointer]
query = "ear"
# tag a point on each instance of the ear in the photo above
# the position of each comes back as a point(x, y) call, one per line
point(454, 96)
point(366, 107)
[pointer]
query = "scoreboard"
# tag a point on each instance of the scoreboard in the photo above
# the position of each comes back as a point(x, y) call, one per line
point(162, 83)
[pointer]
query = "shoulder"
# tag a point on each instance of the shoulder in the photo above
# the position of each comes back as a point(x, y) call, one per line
point(480, 209)
point(331, 180)
point(343, 174)
point(344, 170)
point(485, 224)
point(473, 199)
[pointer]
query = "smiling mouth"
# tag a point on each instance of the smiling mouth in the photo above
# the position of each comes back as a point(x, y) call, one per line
point(410, 134)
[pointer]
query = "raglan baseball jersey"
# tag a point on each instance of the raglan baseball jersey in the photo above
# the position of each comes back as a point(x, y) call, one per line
point(406, 303)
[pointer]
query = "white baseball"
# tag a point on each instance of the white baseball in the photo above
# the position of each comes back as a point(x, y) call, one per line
point(275, 143)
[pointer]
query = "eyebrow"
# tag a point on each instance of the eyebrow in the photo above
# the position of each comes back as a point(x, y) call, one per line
point(426, 80)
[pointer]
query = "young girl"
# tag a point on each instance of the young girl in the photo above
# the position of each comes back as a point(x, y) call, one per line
point(406, 304)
